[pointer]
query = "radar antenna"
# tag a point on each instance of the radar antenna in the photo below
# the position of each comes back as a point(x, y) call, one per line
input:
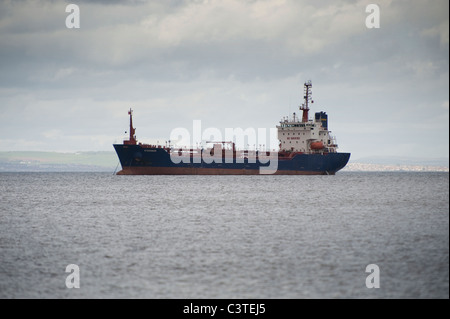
point(305, 106)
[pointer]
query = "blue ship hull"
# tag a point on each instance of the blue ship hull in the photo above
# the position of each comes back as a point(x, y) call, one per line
point(138, 160)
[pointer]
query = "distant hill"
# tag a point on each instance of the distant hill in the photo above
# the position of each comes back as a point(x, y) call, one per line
point(366, 167)
point(398, 164)
point(397, 160)
point(57, 162)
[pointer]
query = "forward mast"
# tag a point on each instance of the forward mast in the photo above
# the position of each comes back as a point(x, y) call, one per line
point(132, 139)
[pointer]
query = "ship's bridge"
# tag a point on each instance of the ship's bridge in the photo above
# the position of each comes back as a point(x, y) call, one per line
point(306, 137)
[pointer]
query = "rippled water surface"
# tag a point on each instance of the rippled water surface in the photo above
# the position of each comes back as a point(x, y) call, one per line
point(224, 236)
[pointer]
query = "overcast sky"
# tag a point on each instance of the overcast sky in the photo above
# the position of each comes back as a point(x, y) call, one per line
point(230, 64)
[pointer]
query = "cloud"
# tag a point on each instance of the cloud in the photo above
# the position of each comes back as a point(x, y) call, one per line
point(440, 31)
point(153, 40)
point(228, 63)
point(445, 105)
point(200, 32)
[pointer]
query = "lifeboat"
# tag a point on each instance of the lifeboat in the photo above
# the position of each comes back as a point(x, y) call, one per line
point(317, 145)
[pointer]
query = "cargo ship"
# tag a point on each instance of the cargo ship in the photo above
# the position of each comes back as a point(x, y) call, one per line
point(306, 147)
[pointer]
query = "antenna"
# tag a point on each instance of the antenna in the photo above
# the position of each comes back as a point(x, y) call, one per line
point(307, 97)
point(132, 139)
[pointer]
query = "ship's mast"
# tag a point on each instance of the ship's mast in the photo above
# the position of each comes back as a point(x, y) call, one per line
point(132, 139)
point(305, 107)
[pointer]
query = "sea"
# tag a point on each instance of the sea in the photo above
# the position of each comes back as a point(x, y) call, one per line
point(355, 235)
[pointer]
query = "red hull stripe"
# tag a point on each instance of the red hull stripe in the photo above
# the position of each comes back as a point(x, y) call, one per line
point(207, 171)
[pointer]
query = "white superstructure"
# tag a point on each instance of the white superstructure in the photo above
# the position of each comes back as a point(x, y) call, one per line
point(305, 135)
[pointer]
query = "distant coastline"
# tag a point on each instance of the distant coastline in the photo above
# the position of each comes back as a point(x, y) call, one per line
point(398, 164)
point(366, 167)
point(58, 162)
point(105, 161)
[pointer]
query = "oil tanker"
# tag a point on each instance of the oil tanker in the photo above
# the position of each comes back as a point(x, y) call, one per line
point(306, 147)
